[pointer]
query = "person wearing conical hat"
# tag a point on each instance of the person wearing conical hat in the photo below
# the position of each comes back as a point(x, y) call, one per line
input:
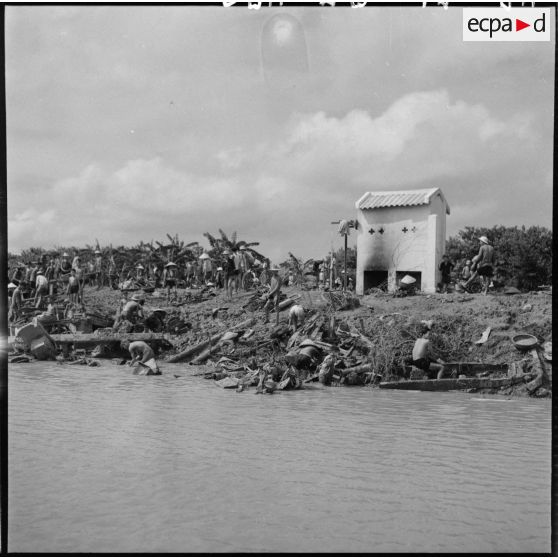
point(16, 301)
point(41, 287)
point(32, 276)
point(484, 262)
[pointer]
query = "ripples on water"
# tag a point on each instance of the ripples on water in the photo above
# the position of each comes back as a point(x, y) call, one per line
point(104, 461)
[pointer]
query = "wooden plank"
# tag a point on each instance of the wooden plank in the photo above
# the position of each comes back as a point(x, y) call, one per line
point(447, 384)
point(89, 339)
point(192, 351)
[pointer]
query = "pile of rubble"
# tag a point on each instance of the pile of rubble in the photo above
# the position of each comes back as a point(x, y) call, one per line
point(343, 340)
point(325, 348)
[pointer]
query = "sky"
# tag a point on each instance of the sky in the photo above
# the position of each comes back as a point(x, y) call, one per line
point(125, 123)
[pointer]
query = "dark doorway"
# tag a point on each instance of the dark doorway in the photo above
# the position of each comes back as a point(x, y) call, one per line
point(376, 278)
point(415, 274)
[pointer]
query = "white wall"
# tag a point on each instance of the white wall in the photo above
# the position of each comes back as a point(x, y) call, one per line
point(419, 249)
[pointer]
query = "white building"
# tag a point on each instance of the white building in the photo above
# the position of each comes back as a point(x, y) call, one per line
point(400, 233)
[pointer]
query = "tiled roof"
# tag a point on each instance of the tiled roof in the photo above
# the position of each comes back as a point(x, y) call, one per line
point(400, 198)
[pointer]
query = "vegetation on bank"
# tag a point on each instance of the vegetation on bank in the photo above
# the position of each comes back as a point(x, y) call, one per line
point(523, 255)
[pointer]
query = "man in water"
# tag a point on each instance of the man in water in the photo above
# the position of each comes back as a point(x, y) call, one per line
point(423, 357)
point(143, 358)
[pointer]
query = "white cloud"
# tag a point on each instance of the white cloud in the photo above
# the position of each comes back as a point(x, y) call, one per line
point(423, 135)
point(319, 166)
point(142, 195)
point(31, 227)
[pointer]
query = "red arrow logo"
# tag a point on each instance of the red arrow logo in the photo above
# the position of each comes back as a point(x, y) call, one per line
point(519, 25)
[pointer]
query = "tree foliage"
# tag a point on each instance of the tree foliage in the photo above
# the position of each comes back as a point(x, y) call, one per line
point(157, 253)
point(523, 255)
point(219, 244)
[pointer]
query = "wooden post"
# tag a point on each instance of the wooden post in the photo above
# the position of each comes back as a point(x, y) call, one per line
point(345, 267)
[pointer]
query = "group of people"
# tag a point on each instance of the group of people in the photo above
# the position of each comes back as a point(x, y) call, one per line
point(482, 265)
point(38, 282)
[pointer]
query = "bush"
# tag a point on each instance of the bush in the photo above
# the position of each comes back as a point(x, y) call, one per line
point(523, 255)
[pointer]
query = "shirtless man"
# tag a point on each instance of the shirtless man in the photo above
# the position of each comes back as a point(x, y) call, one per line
point(17, 301)
point(422, 355)
point(132, 311)
point(72, 290)
point(296, 316)
point(80, 276)
point(143, 357)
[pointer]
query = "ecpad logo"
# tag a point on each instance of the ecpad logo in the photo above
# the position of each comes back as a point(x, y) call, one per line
point(499, 24)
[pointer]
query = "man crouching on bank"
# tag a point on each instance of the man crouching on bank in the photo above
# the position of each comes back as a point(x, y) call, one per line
point(423, 357)
point(143, 358)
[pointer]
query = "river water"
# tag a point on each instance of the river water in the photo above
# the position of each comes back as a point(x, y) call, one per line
point(104, 461)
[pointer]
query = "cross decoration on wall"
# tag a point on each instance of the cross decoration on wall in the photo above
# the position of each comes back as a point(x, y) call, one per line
point(405, 229)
